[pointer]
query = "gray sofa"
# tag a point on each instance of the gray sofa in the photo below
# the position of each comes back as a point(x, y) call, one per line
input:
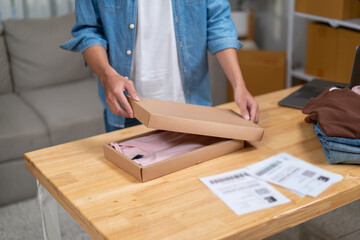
point(47, 97)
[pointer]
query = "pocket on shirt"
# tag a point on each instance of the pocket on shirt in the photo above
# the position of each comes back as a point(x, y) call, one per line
point(110, 5)
point(190, 2)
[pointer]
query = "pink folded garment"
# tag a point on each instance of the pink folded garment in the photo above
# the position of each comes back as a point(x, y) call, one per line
point(161, 145)
point(356, 89)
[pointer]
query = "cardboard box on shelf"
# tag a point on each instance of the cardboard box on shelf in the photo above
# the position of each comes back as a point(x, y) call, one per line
point(186, 118)
point(321, 51)
point(338, 9)
point(330, 52)
point(263, 71)
point(348, 41)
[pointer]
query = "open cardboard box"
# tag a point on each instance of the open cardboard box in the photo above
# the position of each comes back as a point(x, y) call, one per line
point(185, 118)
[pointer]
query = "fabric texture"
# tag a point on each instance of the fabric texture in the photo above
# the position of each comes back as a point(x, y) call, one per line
point(155, 39)
point(36, 59)
point(70, 111)
point(337, 113)
point(338, 149)
point(161, 145)
point(16, 182)
point(21, 130)
point(356, 89)
point(5, 80)
point(199, 25)
point(129, 122)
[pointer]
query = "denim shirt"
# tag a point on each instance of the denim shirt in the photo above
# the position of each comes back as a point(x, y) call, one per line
point(199, 25)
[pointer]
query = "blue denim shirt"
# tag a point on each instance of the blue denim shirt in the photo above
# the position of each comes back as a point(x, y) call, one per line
point(199, 25)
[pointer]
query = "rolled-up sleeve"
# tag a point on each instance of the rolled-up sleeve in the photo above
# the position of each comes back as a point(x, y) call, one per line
point(221, 31)
point(88, 30)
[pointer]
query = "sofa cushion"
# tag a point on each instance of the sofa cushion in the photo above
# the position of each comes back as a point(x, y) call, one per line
point(71, 111)
point(5, 81)
point(16, 182)
point(21, 130)
point(36, 58)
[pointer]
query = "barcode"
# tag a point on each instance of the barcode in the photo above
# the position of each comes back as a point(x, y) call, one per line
point(323, 178)
point(308, 173)
point(270, 199)
point(262, 191)
point(228, 178)
point(268, 168)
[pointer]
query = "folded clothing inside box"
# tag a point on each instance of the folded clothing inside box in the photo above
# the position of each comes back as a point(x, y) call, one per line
point(196, 134)
point(161, 145)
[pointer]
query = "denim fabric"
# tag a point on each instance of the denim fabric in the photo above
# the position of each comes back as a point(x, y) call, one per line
point(199, 25)
point(129, 122)
point(338, 149)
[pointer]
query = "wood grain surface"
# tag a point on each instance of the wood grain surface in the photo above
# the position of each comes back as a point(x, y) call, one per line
point(111, 204)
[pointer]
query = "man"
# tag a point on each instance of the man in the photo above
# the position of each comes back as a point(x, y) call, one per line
point(162, 46)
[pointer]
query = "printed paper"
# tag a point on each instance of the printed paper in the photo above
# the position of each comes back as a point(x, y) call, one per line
point(294, 174)
point(243, 193)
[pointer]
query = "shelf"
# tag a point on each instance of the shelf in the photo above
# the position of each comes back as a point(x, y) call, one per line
point(353, 23)
point(300, 74)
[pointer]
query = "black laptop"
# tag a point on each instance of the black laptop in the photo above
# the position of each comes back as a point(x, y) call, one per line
point(299, 98)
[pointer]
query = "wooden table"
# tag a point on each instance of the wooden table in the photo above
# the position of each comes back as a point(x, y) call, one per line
point(110, 204)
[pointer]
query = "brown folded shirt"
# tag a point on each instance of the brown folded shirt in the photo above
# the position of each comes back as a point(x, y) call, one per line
point(337, 112)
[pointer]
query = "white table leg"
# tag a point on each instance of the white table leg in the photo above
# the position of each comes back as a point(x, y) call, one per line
point(49, 214)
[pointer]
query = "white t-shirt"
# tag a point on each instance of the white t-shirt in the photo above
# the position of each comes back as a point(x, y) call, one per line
point(155, 64)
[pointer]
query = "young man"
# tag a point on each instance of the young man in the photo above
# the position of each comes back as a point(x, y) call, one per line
point(162, 46)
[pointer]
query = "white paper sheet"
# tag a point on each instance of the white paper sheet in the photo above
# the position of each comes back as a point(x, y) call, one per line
point(294, 174)
point(243, 193)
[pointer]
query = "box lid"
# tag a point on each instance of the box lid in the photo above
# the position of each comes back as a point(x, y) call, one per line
point(195, 119)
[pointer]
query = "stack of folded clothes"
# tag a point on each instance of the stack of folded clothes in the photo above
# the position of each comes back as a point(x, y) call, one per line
point(335, 115)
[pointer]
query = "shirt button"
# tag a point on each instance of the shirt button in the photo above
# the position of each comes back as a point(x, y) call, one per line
point(126, 77)
point(181, 44)
point(176, 19)
point(128, 52)
point(132, 26)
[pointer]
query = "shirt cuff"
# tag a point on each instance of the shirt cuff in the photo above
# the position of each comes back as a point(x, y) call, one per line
point(223, 43)
point(80, 44)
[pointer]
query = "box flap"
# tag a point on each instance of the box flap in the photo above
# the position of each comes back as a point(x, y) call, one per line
point(195, 119)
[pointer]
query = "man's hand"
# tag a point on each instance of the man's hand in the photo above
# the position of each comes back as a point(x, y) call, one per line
point(115, 85)
point(230, 64)
point(248, 106)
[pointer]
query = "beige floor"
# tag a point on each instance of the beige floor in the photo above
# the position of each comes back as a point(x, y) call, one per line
point(22, 221)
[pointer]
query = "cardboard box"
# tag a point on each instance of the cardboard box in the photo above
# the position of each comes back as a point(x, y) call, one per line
point(263, 71)
point(321, 51)
point(338, 9)
point(348, 41)
point(330, 52)
point(186, 118)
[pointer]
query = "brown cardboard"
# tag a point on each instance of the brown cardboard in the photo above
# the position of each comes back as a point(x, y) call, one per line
point(146, 173)
point(330, 52)
point(338, 9)
point(185, 118)
point(348, 41)
point(195, 119)
point(263, 71)
point(321, 51)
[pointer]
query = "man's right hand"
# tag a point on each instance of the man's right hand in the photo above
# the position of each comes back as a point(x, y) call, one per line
point(115, 85)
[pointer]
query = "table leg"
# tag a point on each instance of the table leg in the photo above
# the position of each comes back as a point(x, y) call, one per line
point(49, 214)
